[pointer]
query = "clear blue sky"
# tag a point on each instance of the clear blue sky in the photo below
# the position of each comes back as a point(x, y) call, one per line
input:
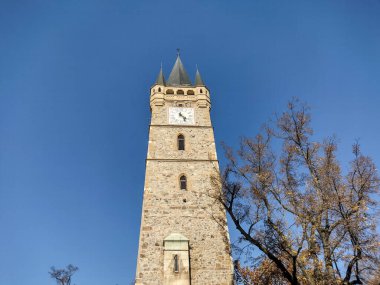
point(74, 114)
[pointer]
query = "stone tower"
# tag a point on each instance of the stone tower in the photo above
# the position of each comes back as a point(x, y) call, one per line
point(180, 241)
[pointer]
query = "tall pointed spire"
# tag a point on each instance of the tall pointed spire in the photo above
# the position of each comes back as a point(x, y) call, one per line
point(198, 79)
point(160, 78)
point(178, 76)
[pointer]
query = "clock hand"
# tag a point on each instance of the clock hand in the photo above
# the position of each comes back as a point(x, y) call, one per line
point(180, 114)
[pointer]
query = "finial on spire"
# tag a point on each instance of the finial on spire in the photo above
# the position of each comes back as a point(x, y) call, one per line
point(178, 51)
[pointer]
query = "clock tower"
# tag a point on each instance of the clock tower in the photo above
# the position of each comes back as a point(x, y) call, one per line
point(183, 236)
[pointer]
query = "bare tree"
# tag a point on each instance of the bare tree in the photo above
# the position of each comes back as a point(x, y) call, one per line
point(63, 276)
point(374, 279)
point(314, 223)
point(264, 273)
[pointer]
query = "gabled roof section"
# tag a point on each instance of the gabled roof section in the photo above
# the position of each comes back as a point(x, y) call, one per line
point(198, 79)
point(179, 76)
point(160, 78)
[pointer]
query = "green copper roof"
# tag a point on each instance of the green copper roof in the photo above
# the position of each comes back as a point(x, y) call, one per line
point(160, 78)
point(198, 79)
point(178, 76)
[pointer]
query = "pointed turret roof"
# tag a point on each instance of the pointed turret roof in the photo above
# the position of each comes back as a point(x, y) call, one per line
point(160, 78)
point(178, 76)
point(198, 79)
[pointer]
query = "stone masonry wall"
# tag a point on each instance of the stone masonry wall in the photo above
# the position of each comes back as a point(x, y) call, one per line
point(167, 209)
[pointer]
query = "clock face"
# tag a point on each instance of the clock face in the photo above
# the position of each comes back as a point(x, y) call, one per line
point(181, 116)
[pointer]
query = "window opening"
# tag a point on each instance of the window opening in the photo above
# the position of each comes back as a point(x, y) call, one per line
point(183, 182)
point(176, 265)
point(181, 142)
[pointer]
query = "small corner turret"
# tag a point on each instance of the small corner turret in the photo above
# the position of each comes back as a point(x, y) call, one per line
point(160, 78)
point(198, 79)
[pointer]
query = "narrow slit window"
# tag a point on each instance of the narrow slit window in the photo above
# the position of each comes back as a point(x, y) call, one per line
point(181, 142)
point(183, 182)
point(176, 264)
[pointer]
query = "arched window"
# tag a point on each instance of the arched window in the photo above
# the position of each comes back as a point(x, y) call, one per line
point(176, 263)
point(159, 89)
point(190, 92)
point(183, 182)
point(181, 142)
point(180, 91)
point(169, 91)
point(200, 90)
